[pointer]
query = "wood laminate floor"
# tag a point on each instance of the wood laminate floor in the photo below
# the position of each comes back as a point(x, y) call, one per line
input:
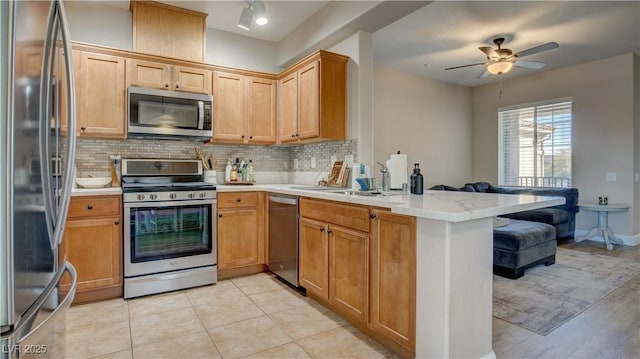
point(608, 329)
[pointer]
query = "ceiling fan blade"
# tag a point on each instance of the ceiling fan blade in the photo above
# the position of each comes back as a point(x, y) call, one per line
point(537, 49)
point(530, 64)
point(490, 52)
point(458, 67)
point(484, 74)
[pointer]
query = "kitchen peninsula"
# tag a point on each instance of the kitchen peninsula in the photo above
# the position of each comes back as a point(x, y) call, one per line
point(453, 260)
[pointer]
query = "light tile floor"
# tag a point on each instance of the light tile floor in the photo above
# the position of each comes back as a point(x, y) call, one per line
point(250, 317)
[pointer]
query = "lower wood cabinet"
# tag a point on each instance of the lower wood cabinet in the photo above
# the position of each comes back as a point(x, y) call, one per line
point(367, 276)
point(334, 258)
point(393, 277)
point(93, 244)
point(240, 231)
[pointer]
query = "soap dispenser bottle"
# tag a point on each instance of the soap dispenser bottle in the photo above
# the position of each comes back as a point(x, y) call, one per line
point(227, 172)
point(417, 180)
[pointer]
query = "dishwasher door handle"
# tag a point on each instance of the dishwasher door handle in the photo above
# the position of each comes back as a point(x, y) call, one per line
point(290, 201)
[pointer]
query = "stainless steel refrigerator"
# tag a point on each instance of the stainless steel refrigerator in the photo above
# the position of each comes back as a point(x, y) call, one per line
point(37, 146)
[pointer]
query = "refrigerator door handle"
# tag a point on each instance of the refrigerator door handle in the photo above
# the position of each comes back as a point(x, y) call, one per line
point(44, 127)
point(36, 334)
point(67, 179)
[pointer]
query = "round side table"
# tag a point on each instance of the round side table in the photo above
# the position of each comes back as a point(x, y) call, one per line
point(602, 228)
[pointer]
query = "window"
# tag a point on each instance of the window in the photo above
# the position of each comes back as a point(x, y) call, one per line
point(535, 144)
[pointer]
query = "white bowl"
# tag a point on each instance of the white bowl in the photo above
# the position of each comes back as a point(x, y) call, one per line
point(93, 182)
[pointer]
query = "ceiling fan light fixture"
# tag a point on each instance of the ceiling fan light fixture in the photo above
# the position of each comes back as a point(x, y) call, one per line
point(499, 67)
point(246, 17)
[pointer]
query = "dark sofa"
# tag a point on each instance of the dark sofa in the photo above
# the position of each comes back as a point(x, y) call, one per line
point(562, 217)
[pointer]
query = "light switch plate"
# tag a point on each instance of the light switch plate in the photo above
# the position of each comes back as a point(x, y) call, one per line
point(611, 177)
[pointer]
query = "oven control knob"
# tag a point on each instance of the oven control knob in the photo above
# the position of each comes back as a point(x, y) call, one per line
point(153, 196)
point(140, 197)
point(202, 194)
point(191, 195)
point(172, 195)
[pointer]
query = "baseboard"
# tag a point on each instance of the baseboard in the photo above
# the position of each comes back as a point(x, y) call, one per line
point(628, 240)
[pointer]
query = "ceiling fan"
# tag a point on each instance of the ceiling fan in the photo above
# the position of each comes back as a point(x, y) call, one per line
point(501, 60)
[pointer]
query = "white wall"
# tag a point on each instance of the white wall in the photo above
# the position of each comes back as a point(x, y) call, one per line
point(100, 24)
point(603, 129)
point(233, 50)
point(429, 120)
point(636, 145)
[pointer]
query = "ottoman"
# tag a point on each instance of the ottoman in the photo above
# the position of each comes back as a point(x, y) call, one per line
point(520, 245)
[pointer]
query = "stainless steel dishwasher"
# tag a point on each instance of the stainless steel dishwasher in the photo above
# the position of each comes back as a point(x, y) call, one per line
point(283, 237)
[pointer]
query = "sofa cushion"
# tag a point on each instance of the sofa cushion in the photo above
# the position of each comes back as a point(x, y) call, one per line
point(551, 216)
point(519, 235)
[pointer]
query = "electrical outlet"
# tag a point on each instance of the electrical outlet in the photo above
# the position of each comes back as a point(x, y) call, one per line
point(295, 164)
point(611, 177)
point(313, 162)
point(348, 160)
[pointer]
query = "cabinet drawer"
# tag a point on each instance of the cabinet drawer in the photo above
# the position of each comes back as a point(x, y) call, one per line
point(237, 199)
point(94, 206)
point(334, 213)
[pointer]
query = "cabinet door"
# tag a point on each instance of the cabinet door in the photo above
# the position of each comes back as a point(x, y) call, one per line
point(148, 74)
point(238, 239)
point(288, 108)
point(101, 96)
point(309, 101)
point(191, 80)
point(229, 111)
point(348, 272)
point(94, 247)
point(393, 277)
point(314, 257)
point(261, 110)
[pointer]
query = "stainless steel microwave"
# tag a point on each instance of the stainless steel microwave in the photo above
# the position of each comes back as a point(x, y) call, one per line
point(169, 114)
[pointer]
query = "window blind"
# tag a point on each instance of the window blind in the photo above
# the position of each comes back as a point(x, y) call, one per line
point(535, 145)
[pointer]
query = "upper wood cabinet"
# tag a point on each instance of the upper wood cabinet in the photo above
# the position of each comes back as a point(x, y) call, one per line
point(169, 77)
point(166, 30)
point(244, 108)
point(100, 95)
point(312, 99)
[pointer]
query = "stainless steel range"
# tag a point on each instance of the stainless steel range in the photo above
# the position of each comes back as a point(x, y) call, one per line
point(170, 226)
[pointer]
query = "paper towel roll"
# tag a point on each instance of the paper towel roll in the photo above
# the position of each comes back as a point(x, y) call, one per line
point(398, 170)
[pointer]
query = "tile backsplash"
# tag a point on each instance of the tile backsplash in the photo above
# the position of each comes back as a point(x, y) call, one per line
point(92, 155)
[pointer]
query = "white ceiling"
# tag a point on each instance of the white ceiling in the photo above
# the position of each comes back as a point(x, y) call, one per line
point(448, 33)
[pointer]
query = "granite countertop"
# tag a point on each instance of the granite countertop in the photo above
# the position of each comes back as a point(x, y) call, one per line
point(104, 191)
point(438, 205)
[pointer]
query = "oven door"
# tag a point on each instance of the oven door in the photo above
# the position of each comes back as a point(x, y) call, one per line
point(166, 236)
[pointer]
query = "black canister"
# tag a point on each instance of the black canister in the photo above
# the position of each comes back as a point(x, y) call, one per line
point(417, 180)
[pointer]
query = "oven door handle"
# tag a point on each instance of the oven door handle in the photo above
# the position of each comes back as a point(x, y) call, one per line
point(196, 202)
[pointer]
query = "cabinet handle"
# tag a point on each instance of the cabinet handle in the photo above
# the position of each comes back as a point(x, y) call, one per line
point(83, 128)
point(220, 215)
point(177, 86)
point(293, 136)
point(239, 200)
point(297, 135)
point(117, 222)
point(321, 229)
point(166, 85)
point(250, 137)
point(372, 215)
point(329, 231)
point(90, 207)
point(243, 136)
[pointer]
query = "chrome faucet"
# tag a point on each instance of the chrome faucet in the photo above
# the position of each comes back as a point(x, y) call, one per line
point(386, 181)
